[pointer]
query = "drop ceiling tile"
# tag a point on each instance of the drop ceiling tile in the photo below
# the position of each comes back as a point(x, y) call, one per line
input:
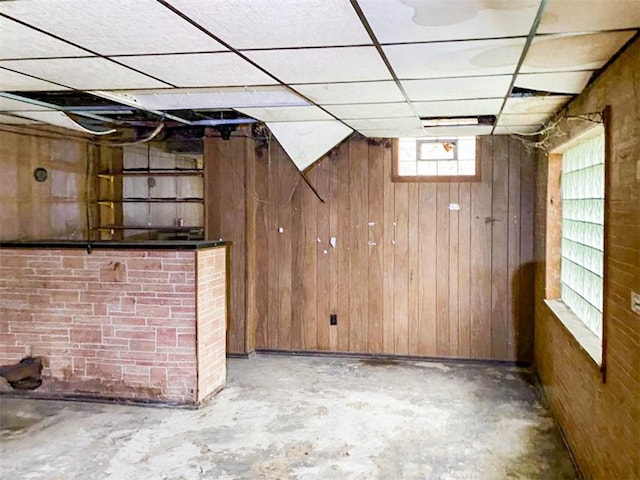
point(15, 82)
point(371, 110)
point(555, 82)
point(459, 108)
point(457, 88)
point(11, 120)
point(278, 23)
point(179, 99)
point(392, 133)
point(418, 20)
point(323, 64)
point(455, 59)
point(527, 105)
point(516, 130)
point(349, 93)
point(589, 15)
point(200, 69)
point(287, 114)
point(114, 27)
point(457, 131)
point(19, 41)
point(551, 53)
point(510, 119)
point(84, 73)
point(408, 123)
point(11, 105)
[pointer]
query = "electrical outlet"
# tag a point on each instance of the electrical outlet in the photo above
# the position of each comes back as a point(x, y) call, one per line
point(333, 319)
point(635, 302)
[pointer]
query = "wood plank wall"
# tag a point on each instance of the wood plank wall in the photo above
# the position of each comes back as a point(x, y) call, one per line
point(407, 276)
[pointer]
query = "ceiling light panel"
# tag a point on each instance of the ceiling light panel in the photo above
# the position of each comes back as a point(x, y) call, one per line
point(455, 59)
point(15, 82)
point(409, 123)
point(200, 69)
point(457, 88)
point(11, 120)
point(351, 93)
point(278, 23)
point(114, 27)
point(287, 114)
point(516, 130)
point(551, 53)
point(323, 64)
point(457, 131)
point(555, 82)
point(511, 119)
point(458, 108)
point(589, 15)
point(180, 99)
point(19, 41)
point(415, 20)
point(527, 105)
point(371, 110)
point(84, 73)
point(391, 133)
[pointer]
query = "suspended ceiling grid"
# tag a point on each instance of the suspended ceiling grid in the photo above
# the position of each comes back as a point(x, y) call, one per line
point(375, 66)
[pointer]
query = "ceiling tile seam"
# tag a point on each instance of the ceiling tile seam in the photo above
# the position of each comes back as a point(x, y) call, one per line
point(376, 43)
point(37, 78)
point(204, 30)
point(14, 59)
point(525, 50)
point(95, 54)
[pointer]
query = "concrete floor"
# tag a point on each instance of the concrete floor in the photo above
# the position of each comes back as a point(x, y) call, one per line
point(301, 418)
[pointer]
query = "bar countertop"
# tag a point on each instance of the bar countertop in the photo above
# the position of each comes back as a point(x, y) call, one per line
point(121, 245)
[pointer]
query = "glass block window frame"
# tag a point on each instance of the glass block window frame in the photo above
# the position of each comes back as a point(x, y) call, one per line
point(458, 161)
point(582, 242)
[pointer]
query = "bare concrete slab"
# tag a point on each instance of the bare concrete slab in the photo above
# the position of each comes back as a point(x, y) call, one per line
point(302, 418)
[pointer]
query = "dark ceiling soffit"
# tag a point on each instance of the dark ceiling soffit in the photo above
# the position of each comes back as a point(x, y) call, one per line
point(525, 50)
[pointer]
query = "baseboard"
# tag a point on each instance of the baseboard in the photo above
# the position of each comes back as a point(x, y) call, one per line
point(241, 355)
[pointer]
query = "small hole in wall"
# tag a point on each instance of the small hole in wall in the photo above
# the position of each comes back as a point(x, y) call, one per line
point(40, 174)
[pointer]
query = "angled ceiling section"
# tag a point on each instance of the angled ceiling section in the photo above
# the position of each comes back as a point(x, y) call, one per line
point(307, 142)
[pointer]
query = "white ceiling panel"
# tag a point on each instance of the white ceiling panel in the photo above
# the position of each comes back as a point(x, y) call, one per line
point(350, 93)
point(200, 69)
point(516, 130)
point(589, 15)
point(19, 41)
point(455, 59)
point(84, 73)
point(458, 108)
point(278, 23)
point(509, 119)
point(528, 105)
point(551, 53)
point(556, 82)
point(371, 110)
point(457, 131)
point(10, 120)
point(14, 82)
point(457, 88)
point(179, 99)
point(419, 20)
point(307, 142)
point(287, 114)
point(60, 119)
point(11, 105)
point(323, 65)
point(114, 27)
point(391, 133)
point(408, 123)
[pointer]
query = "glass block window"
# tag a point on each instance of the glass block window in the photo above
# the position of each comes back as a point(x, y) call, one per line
point(583, 231)
point(436, 157)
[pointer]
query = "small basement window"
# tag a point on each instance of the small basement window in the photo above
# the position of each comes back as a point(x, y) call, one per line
point(441, 159)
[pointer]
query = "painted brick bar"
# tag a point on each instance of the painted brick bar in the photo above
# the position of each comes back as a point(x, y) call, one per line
point(143, 325)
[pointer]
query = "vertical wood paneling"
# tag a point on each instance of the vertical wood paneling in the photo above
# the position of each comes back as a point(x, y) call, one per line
point(526, 299)
point(333, 252)
point(464, 271)
point(515, 163)
point(401, 270)
point(323, 297)
point(285, 257)
point(454, 292)
point(442, 270)
point(309, 218)
point(263, 280)
point(343, 247)
point(428, 274)
point(499, 248)
point(388, 257)
point(413, 292)
point(375, 306)
point(273, 239)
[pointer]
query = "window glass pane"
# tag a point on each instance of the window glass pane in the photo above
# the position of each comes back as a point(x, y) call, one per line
point(437, 156)
point(407, 149)
point(447, 168)
point(467, 167)
point(406, 168)
point(437, 150)
point(467, 148)
point(427, 168)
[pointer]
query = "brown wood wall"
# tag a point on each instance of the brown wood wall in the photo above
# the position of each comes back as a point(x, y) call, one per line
point(407, 276)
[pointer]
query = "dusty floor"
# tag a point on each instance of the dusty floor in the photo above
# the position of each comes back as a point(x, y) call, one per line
point(301, 418)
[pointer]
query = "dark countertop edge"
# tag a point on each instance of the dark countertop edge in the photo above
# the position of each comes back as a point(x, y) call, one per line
point(117, 245)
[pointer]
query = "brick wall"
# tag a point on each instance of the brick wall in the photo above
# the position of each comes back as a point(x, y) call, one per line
point(212, 314)
point(113, 323)
point(601, 421)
